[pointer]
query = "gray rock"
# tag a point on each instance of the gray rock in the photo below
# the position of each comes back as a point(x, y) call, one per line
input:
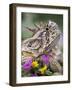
point(55, 66)
point(57, 73)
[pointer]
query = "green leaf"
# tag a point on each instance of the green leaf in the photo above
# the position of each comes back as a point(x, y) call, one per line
point(49, 73)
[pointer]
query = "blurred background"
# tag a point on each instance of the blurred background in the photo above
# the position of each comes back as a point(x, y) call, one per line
point(29, 19)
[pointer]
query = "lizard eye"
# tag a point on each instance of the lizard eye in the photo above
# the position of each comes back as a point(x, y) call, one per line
point(29, 45)
point(47, 29)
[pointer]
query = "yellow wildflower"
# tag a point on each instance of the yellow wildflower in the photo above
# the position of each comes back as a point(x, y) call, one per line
point(43, 69)
point(35, 64)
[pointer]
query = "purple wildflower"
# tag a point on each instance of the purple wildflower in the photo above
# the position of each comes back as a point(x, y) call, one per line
point(46, 48)
point(33, 75)
point(27, 65)
point(45, 59)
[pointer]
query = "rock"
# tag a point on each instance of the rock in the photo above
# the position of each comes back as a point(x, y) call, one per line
point(60, 59)
point(55, 66)
point(57, 73)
